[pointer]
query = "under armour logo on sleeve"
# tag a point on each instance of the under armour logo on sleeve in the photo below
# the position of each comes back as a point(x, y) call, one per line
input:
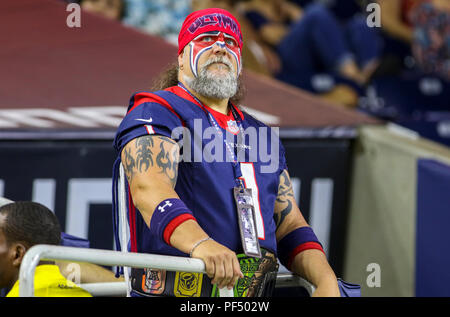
point(166, 204)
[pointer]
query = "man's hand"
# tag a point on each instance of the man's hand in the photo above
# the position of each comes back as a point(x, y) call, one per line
point(222, 265)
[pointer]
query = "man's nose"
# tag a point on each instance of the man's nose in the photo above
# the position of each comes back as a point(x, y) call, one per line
point(219, 48)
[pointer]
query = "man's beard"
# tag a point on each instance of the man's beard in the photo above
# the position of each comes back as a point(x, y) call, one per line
point(214, 86)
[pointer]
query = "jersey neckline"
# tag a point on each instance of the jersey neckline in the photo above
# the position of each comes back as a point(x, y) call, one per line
point(222, 119)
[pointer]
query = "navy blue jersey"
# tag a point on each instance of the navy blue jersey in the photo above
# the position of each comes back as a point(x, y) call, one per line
point(205, 186)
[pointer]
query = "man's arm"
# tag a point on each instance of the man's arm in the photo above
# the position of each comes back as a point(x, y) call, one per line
point(310, 264)
point(151, 166)
point(89, 272)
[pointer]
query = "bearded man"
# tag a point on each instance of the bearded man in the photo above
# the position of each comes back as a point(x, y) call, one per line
point(228, 211)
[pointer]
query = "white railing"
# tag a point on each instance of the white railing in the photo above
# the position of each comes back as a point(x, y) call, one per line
point(291, 280)
point(116, 258)
point(119, 289)
point(41, 252)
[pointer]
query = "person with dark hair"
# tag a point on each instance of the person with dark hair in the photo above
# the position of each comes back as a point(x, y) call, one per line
point(206, 180)
point(23, 225)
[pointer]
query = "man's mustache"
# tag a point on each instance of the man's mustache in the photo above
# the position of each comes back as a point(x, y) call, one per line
point(223, 60)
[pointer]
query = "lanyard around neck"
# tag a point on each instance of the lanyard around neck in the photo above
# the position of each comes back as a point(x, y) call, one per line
point(240, 135)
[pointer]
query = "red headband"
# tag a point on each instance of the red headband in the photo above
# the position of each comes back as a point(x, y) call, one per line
point(206, 20)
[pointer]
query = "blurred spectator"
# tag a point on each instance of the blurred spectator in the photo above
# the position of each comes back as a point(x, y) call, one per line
point(89, 272)
point(342, 10)
point(395, 17)
point(4, 201)
point(397, 33)
point(431, 39)
point(112, 9)
point(411, 87)
point(312, 42)
point(159, 17)
point(23, 225)
point(415, 33)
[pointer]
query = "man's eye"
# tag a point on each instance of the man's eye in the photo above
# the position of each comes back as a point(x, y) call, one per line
point(230, 42)
point(207, 39)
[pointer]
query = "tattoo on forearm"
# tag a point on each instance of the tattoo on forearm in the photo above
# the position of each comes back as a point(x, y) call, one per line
point(144, 158)
point(284, 197)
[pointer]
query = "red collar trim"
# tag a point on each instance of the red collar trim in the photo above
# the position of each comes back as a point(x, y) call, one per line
point(221, 118)
point(177, 90)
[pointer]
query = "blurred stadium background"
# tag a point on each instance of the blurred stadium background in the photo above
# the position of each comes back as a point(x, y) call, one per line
point(370, 163)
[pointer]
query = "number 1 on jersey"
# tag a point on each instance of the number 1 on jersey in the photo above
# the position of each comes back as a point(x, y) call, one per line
point(249, 179)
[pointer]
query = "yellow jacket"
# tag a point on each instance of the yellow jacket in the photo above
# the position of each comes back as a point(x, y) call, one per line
point(49, 282)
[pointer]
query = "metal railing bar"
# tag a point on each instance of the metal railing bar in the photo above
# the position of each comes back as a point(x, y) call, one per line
point(123, 223)
point(106, 288)
point(120, 288)
point(41, 252)
point(291, 280)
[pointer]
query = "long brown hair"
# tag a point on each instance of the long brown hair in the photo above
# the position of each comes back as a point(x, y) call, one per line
point(169, 78)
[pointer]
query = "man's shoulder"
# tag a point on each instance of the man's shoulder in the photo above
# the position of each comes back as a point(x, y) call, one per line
point(168, 98)
point(141, 97)
point(153, 100)
point(158, 94)
point(252, 120)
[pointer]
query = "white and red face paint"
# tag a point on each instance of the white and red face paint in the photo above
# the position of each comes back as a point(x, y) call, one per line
point(205, 41)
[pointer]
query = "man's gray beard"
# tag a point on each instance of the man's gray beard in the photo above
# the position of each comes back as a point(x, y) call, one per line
point(212, 86)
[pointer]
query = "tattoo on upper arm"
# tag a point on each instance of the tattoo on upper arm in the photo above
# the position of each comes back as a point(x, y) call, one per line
point(285, 188)
point(284, 197)
point(129, 163)
point(143, 157)
point(144, 152)
point(167, 164)
point(279, 217)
